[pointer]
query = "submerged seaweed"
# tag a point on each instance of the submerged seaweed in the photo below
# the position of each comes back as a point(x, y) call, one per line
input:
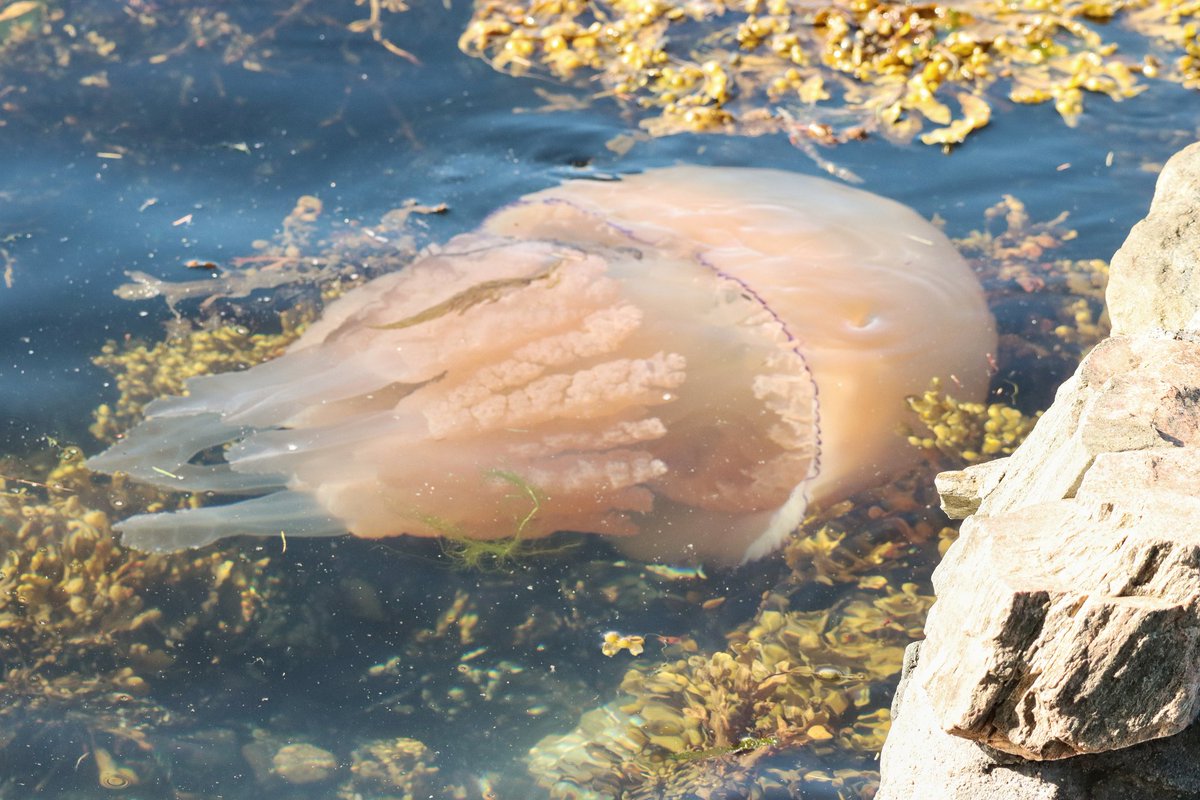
point(722, 700)
point(89, 627)
point(383, 670)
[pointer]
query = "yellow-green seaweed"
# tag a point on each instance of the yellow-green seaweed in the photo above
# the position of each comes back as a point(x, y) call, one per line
point(87, 624)
point(967, 432)
point(830, 71)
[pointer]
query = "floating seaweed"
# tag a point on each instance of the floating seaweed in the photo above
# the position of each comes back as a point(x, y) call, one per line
point(502, 553)
point(1049, 311)
point(346, 259)
point(831, 71)
point(616, 642)
point(56, 39)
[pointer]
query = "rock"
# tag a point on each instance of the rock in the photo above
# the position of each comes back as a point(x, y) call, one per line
point(951, 767)
point(964, 490)
point(1086, 640)
point(1128, 394)
point(1068, 613)
point(1155, 276)
point(1067, 618)
point(936, 764)
point(303, 763)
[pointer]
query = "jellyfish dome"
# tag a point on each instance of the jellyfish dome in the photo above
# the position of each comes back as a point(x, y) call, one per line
point(687, 359)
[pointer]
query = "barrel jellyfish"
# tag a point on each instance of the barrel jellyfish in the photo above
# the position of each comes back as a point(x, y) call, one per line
point(688, 358)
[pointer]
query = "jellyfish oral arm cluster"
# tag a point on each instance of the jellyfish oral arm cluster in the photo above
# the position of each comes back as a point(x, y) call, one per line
point(685, 359)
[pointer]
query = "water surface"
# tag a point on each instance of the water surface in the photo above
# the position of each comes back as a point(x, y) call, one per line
point(354, 642)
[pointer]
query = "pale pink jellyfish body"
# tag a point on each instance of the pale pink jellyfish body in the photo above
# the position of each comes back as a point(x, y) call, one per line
point(686, 358)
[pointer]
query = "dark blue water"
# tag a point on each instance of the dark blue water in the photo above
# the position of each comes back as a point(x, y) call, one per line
point(336, 116)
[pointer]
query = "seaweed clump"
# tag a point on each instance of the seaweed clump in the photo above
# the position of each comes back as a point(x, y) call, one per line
point(89, 626)
point(797, 691)
point(791, 689)
point(1019, 263)
point(968, 432)
point(399, 768)
point(1050, 312)
point(837, 69)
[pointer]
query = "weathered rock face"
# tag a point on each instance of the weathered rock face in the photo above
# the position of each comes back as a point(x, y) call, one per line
point(1071, 626)
point(1155, 276)
point(922, 762)
point(1068, 612)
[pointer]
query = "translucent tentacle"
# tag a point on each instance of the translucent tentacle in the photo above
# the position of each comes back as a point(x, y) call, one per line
point(269, 393)
point(288, 513)
point(158, 451)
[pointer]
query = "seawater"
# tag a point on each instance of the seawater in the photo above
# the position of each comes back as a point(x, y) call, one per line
point(376, 641)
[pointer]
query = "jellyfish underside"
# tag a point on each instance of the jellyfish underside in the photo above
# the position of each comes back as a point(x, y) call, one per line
point(684, 359)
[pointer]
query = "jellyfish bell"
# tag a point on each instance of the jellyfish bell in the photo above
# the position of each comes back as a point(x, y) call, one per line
point(686, 359)
point(877, 301)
